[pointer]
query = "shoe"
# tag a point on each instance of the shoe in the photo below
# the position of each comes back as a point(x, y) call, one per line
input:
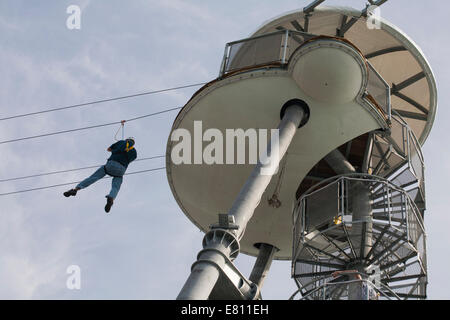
point(109, 203)
point(71, 192)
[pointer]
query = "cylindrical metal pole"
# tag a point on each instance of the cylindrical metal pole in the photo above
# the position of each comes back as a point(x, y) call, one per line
point(203, 277)
point(252, 191)
point(262, 264)
point(361, 233)
point(362, 212)
point(339, 163)
point(205, 272)
point(361, 236)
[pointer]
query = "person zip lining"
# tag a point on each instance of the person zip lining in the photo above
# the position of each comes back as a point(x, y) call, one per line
point(123, 153)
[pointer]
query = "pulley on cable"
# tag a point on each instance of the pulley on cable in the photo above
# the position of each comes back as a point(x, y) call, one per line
point(122, 126)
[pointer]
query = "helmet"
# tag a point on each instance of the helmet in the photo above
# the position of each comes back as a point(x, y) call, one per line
point(130, 144)
point(131, 141)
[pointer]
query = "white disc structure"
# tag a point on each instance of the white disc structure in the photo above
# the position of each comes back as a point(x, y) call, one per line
point(329, 73)
point(331, 76)
point(395, 56)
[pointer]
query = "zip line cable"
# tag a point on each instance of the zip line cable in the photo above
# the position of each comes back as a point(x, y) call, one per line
point(76, 182)
point(89, 127)
point(69, 170)
point(101, 101)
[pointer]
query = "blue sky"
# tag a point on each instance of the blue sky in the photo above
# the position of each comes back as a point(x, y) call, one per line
point(145, 248)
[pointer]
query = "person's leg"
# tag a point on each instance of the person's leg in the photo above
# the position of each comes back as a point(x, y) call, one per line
point(115, 187)
point(97, 175)
point(117, 171)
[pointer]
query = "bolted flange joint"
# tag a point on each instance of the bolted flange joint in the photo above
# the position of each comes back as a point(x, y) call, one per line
point(221, 238)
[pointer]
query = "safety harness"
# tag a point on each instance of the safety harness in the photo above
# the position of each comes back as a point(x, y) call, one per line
point(127, 147)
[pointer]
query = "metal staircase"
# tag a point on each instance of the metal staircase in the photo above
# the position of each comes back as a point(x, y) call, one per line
point(386, 247)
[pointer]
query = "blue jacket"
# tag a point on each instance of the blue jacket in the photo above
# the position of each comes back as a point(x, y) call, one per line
point(120, 154)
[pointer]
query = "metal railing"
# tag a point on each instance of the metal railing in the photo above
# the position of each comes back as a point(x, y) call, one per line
point(276, 48)
point(398, 157)
point(379, 91)
point(327, 237)
point(270, 48)
point(390, 203)
point(339, 290)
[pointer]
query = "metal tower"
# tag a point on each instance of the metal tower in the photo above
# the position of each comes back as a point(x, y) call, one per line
point(353, 99)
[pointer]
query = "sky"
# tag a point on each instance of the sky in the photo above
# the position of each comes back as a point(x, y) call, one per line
point(144, 249)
